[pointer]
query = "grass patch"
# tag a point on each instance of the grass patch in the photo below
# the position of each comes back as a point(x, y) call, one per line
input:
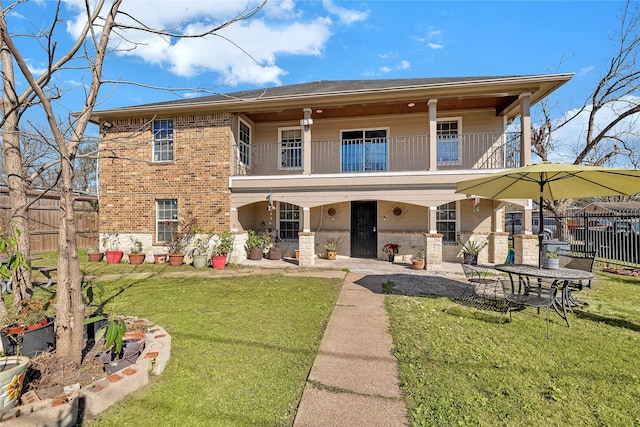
point(241, 346)
point(459, 367)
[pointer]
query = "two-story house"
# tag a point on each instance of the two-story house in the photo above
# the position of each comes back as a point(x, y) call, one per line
point(370, 162)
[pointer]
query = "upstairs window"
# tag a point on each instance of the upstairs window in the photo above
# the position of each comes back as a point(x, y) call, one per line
point(446, 222)
point(364, 150)
point(291, 148)
point(244, 143)
point(449, 147)
point(163, 140)
point(166, 219)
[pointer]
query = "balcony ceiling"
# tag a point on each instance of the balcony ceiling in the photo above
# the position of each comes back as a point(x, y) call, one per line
point(498, 103)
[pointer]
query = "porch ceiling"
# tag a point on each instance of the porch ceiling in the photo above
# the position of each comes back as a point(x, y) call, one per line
point(330, 111)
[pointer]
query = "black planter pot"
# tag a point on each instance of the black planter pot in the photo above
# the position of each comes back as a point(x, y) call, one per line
point(129, 355)
point(30, 342)
point(470, 259)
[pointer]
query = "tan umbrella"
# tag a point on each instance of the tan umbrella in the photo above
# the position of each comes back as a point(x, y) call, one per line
point(553, 181)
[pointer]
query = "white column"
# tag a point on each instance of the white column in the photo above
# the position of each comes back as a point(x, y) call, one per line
point(306, 141)
point(306, 220)
point(433, 216)
point(433, 134)
point(525, 129)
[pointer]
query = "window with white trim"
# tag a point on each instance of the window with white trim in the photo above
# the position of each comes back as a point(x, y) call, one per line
point(166, 219)
point(244, 143)
point(364, 150)
point(446, 222)
point(288, 220)
point(448, 142)
point(290, 148)
point(163, 140)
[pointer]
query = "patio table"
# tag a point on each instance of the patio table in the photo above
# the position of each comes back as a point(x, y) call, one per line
point(560, 278)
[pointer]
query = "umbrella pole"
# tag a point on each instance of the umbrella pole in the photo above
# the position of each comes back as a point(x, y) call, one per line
point(540, 235)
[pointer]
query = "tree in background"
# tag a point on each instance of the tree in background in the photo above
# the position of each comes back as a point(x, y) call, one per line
point(91, 48)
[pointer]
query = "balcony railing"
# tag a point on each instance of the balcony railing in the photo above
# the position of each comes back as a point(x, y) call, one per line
point(397, 154)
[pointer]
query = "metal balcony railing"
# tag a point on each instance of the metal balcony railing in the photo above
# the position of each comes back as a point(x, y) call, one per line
point(397, 154)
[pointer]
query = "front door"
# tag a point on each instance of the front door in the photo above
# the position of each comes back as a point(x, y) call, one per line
point(364, 234)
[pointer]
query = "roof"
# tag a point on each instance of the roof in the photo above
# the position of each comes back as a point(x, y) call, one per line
point(499, 92)
point(613, 206)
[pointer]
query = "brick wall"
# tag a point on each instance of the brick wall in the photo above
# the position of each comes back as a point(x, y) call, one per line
point(198, 177)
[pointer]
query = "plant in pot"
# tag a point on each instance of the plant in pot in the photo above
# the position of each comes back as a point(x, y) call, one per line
point(111, 242)
point(332, 248)
point(254, 245)
point(418, 260)
point(30, 331)
point(181, 238)
point(94, 254)
point(551, 260)
point(470, 250)
point(135, 255)
point(391, 250)
point(119, 351)
point(222, 246)
point(200, 250)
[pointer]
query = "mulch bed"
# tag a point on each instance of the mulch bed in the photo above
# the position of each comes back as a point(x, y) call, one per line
point(629, 271)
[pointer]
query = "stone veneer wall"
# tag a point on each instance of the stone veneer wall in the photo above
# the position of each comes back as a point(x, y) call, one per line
point(307, 249)
point(526, 248)
point(433, 254)
point(409, 243)
point(483, 256)
point(198, 177)
point(498, 247)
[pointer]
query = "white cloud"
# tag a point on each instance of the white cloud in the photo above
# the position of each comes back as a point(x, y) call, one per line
point(385, 69)
point(435, 45)
point(346, 16)
point(586, 70)
point(404, 65)
point(386, 55)
point(247, 50)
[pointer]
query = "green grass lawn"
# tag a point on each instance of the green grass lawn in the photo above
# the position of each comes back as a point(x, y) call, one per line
point(459, 367)
point(241, 346)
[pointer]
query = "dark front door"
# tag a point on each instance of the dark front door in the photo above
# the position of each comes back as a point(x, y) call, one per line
point(364, 235)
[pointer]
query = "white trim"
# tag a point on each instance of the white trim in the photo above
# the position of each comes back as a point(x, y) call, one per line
point(457, 119)
point(246, 123)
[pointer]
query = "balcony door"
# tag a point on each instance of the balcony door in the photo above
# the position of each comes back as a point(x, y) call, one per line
point(364, 150)
point(364, 235)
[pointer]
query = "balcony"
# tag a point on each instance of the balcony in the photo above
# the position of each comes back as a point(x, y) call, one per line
point(397, 154)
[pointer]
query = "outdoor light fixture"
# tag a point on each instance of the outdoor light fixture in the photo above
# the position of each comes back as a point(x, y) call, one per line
point(107, 125)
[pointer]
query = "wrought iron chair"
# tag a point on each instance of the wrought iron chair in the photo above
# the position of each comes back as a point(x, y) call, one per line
point(583, 261)
point(519, 295)
point(481, 286)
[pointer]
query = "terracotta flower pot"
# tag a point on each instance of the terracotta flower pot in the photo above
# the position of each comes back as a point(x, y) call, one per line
point(176, 260)
point(418, 264)
point(95, 256)
point(136, 259)
point(218, 261)
point(114, 257)
point(255, 254)
point(159, 258)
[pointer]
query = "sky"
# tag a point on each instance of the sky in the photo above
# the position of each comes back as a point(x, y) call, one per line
point(290, 42)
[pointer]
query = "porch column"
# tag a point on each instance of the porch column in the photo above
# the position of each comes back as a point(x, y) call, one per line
point(306, 242)
point(235, 222)
point(527, 219)
point(498, 218)
point(433, 216)
point(433, 252)
point(525, 129)
point(306, 219)
point(306, 141)
point(433, 135)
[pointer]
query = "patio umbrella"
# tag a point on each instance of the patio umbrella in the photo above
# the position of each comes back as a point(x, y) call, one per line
point(553, 181)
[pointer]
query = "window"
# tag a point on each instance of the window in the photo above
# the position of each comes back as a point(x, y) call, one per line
point(291, 148)
point(163, 140)
point(166, 219)
point(446, 221)
point(448, 148)
point(244, 143)
point(289, 225)
point(364, 150)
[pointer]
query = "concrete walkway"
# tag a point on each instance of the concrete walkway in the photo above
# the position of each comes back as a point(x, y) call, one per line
point(354, 379)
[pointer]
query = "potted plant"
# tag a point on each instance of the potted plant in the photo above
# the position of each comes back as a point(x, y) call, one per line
point(254, 245)
point(94, 254)
point(391, 250)
point(418, 260)
point(30, 332)
point(470, 250)
point(332, 248)
point(222, 246)
point(111, 242)
point(200, 250)
point(12, 373)
point(551, 259)
point(180, 240)
point(135, 255)
point(120, 352)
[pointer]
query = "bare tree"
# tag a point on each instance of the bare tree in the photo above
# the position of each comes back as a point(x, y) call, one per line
point(92, 45)
point(610, 134)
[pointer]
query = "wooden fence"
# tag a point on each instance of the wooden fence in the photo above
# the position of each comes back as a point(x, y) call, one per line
point(44, 217)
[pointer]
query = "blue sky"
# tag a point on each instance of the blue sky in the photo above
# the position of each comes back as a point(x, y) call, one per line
point(300, 41)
